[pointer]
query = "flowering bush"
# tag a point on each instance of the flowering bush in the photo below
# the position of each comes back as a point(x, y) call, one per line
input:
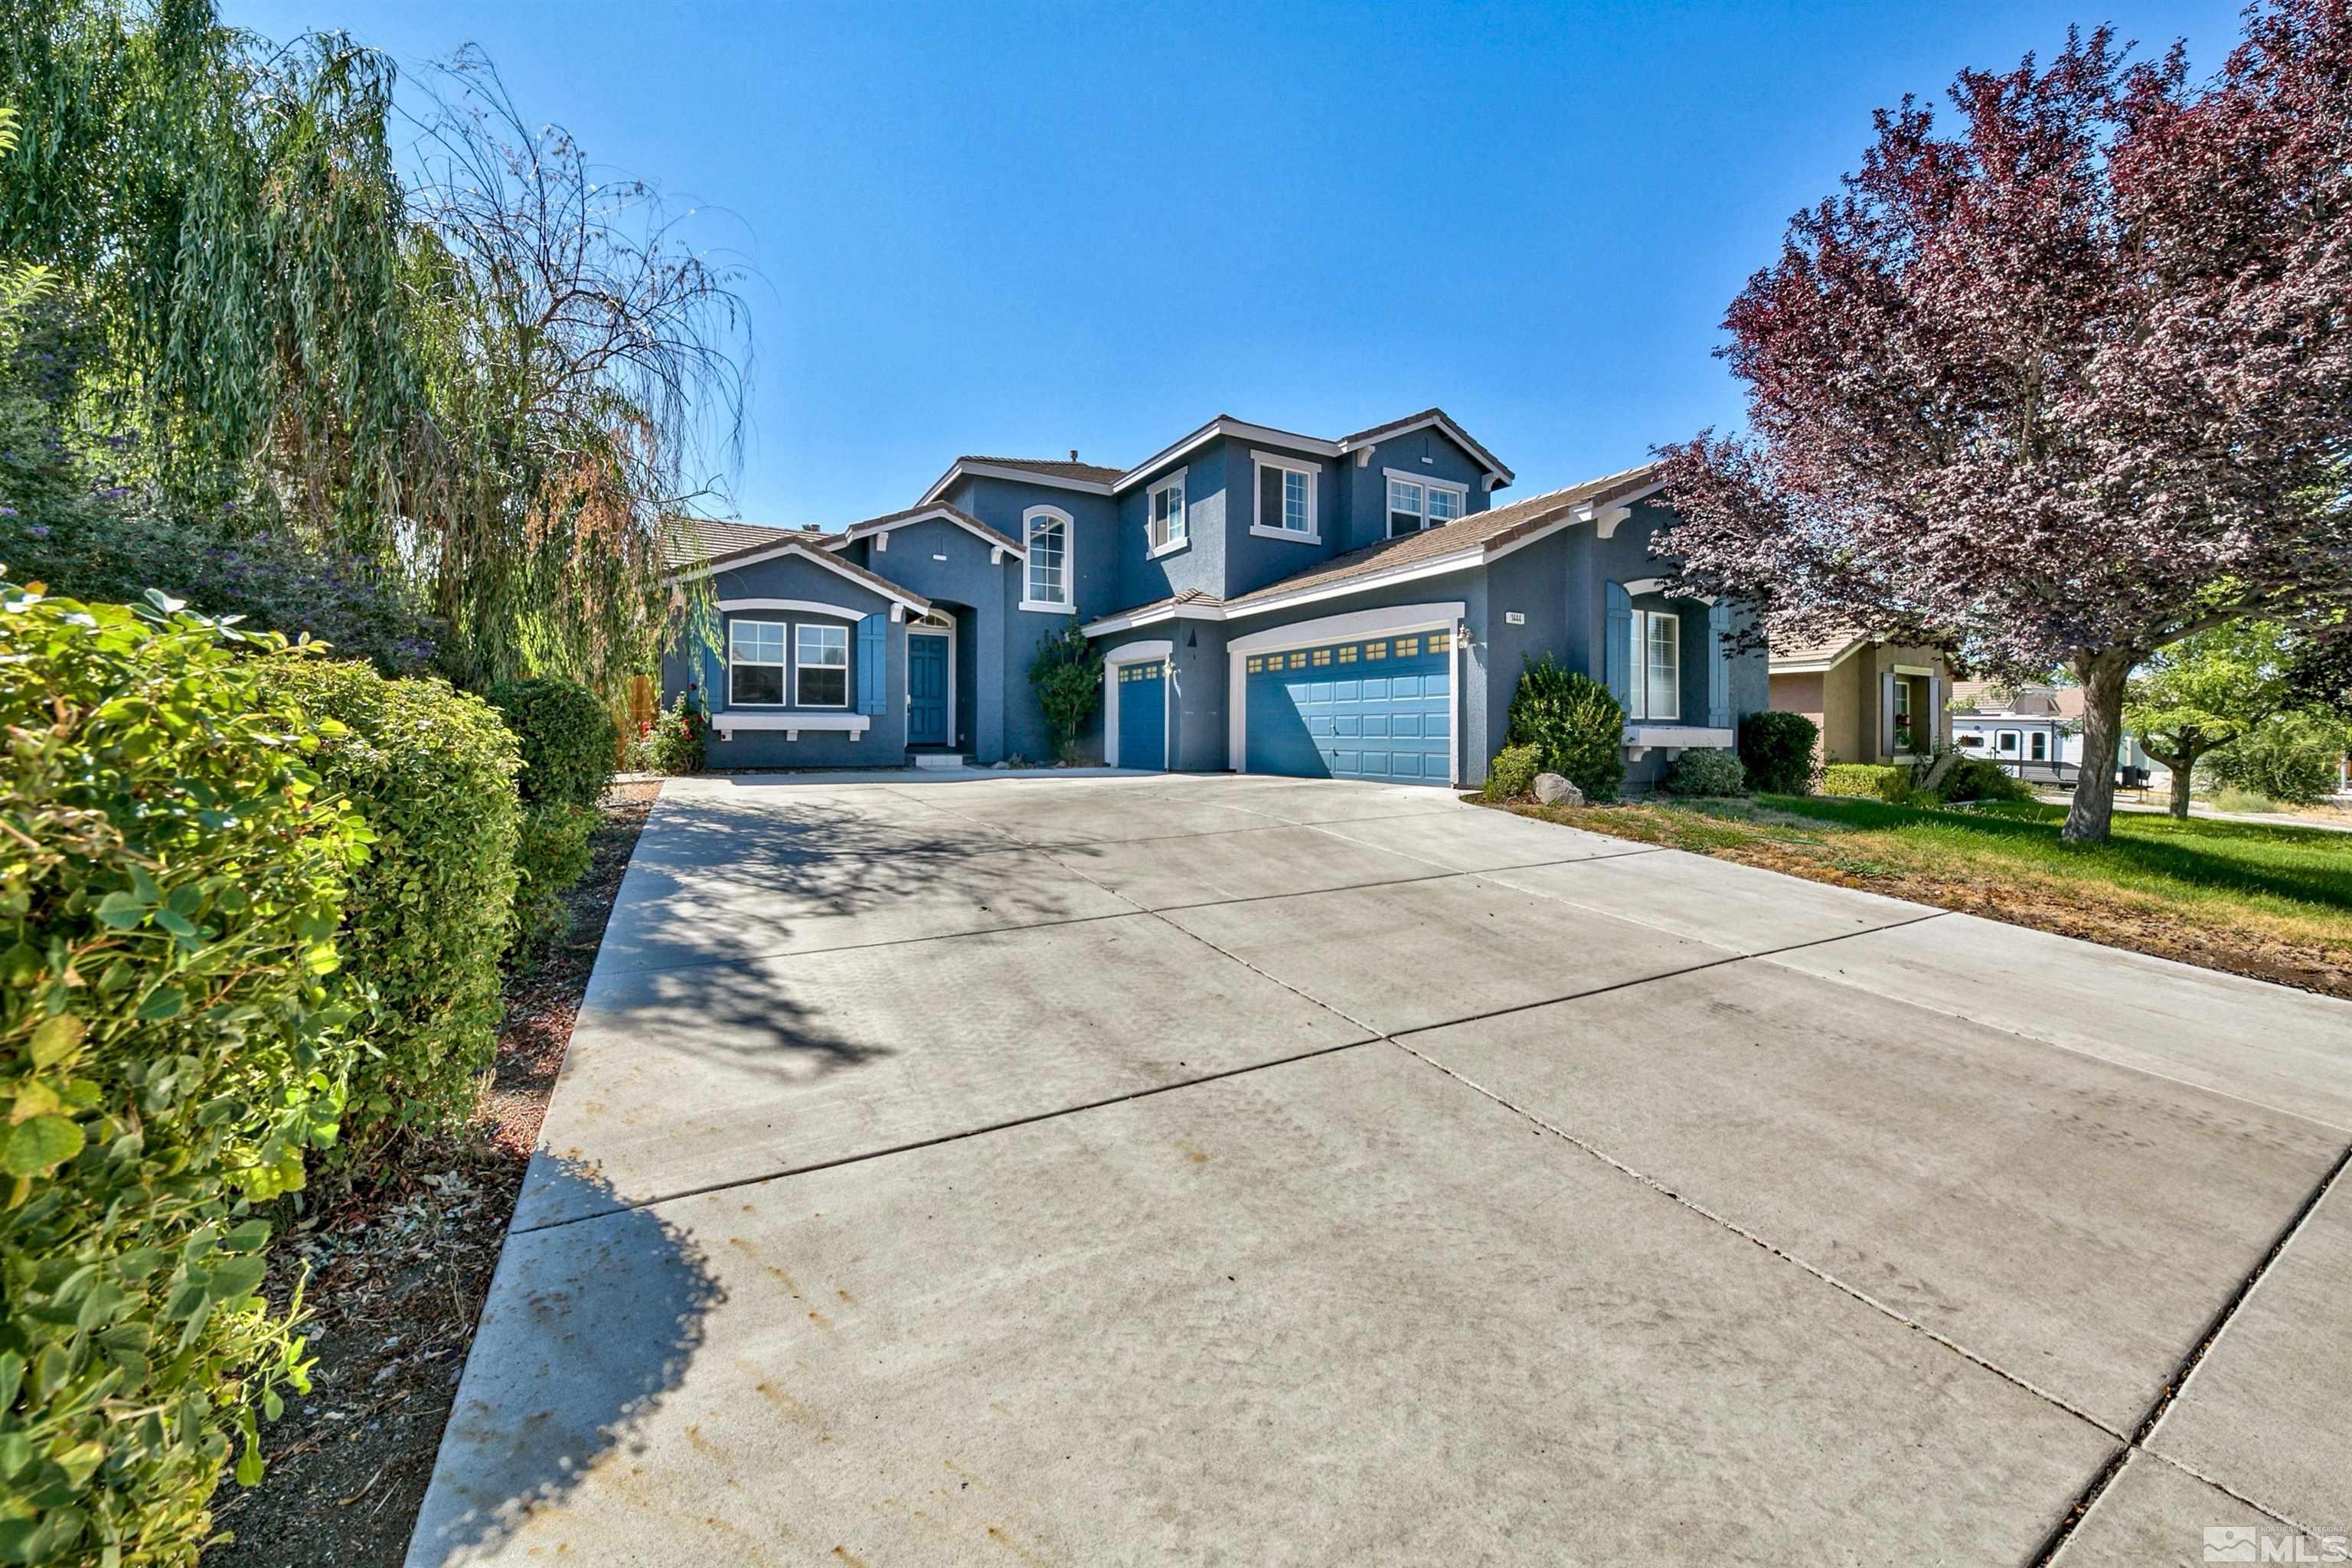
point(675, 741)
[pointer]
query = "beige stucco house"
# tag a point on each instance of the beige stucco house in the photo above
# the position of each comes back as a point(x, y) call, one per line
point(1874, 702)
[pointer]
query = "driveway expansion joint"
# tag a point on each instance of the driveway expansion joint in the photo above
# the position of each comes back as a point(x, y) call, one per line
point(2177, 1385)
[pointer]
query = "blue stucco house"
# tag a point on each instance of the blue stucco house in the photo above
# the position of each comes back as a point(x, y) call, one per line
point(1265, 602)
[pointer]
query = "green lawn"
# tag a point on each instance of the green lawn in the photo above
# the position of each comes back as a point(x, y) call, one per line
point(2260, 897)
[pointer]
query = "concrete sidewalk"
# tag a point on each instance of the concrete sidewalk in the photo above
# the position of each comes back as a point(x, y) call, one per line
point(1147, 1169)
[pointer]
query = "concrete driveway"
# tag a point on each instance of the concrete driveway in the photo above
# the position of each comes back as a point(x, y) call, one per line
point(1162, 1169)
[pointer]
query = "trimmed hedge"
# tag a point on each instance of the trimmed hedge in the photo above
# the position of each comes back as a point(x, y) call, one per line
point(172, 878)
point(1778, 751)
point(552, 854)
point(1871, 781)
point(432, 771)
point(1704, 770)
point(1577, 728)
point(567, 738)
point(1513, 772)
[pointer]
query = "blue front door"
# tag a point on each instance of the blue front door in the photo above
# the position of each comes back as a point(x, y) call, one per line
point(1143, 715)
point(1378, 708)
point(928, 697)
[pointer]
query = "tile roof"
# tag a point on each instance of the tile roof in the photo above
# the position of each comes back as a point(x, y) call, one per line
point(2026, 701)
point(1051, 467)
point(691, 538)
point(1825, 650)
point(1479, 529)
point(741, 539)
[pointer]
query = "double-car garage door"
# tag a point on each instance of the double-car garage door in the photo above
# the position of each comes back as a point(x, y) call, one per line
point(1374, 708)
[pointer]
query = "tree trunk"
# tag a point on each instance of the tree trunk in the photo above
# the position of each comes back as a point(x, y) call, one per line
point(2103, 675)
point(2180, 777)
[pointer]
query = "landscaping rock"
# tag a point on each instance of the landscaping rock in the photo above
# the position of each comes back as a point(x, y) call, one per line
point(1553, 790)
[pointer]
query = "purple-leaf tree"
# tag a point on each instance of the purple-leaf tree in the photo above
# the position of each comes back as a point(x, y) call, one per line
point(2064, 385)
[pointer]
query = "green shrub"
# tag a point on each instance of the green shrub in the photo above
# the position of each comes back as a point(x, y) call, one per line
point(172, 877)
point(1980, 779)
point(566, 736)
point(552, 854)
point(2288, 757)
point(1871, 781)
point(2244, 802)
point(1704, 770)
point(676, 742)
point(1577, 729)
point(427, 919)
point(1513, 772)
point(1778, 751)
point(1066, 675)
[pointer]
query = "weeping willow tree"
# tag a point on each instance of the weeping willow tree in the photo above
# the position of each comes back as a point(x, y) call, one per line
point(489, 381)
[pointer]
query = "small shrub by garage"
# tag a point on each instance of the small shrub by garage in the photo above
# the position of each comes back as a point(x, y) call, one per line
point(432, 771)
point(173, 877)
point(1576, 726)
point(566, 737)
point(1704, 771)
point(1869, 781)
point(1513, 771)
point(1777, 749)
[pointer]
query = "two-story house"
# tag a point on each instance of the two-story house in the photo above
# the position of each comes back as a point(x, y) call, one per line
point(1264, 600)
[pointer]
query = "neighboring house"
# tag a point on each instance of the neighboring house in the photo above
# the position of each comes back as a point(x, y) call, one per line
point(1873, 701)
point(1265, 602)
point(2039, 728)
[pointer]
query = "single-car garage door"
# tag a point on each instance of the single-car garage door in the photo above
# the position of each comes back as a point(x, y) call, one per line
point(1143, 715)
point(1378, 707)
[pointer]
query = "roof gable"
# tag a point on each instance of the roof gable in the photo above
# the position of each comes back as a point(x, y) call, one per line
point(808, 548)
point(960, 518)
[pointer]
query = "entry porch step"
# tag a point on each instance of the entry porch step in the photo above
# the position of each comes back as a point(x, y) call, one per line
point(941, 760)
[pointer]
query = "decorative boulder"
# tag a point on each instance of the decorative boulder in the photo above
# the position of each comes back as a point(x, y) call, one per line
point(1553, 790)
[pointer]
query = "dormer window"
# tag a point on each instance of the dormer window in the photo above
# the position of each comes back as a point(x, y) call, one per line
point(1167, 514)
point(1416, 503)
point(1046, 531)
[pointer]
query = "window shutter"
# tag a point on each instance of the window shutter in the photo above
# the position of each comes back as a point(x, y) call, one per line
point(1935, 711)
point(1886, 715)
point(1617, 652)
point(1719, 665)
point(873, 664)
point(714, 675)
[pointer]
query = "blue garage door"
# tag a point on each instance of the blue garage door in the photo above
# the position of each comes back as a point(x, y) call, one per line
point(1377, 708)
point(1143, 715)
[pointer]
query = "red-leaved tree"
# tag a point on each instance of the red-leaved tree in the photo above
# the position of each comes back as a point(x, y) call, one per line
point(2064, 385)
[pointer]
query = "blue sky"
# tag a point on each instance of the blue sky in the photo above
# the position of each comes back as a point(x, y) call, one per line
point(1019, 229)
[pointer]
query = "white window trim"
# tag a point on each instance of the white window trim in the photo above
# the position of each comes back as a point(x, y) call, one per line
point(1388, 517)
point(1160, 650)
point(1640, 671)
point(1175, 479)
point(782, 664)
point(1441, 617)
point(1068, 604)
point(799, 665)
point(2016, 751)
point(1259, 526)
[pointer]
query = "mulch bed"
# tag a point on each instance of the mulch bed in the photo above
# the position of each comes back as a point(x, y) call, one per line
point(397, 1275)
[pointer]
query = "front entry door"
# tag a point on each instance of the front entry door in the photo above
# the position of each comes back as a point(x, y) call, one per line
point(928, 698)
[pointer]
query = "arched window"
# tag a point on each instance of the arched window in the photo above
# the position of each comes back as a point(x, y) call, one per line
point(1047, 532)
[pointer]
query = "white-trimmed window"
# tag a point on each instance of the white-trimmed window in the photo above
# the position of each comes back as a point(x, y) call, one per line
point(1287, 501)
point(1047, 531)
point(2041, 752)
point(819, 665)
point(1657, 684)
point(1415, 504)
point(1167, 513)
point(755, 664)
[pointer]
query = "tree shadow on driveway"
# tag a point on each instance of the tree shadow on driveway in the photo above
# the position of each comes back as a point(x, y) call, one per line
point(589, 1326)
